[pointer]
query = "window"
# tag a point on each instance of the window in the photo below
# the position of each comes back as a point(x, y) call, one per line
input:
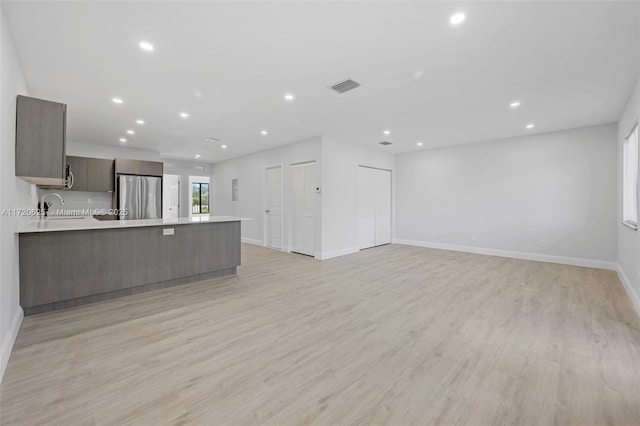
point(200, 198)
point(630, 180)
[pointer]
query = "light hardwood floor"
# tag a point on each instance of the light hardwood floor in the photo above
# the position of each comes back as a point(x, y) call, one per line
point(394, 335)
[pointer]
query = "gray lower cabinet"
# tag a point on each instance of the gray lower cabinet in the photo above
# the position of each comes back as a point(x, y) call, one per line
point(68, 268)
point(40, 141)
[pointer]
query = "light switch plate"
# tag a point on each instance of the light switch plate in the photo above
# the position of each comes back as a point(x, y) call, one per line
point(167, 231)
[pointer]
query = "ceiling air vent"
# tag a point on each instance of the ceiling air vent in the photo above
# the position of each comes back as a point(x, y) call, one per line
point(345, 86)
point(385, 143)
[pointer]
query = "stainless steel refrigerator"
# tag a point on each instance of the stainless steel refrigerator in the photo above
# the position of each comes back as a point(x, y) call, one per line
point(140, 197)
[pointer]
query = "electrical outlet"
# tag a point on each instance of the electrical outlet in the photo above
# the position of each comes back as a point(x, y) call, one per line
point(167, 231)
point(473, 237)
point(90, 200)
point(541, 243)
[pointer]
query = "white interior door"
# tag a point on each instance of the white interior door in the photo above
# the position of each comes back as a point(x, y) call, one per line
point(374, 207)
point(273, 207)
point(382, 183)
point(366, 208)
point(171, 196)
point(303, 184)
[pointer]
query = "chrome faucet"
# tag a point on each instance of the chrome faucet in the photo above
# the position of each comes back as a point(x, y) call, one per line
point(43, 210)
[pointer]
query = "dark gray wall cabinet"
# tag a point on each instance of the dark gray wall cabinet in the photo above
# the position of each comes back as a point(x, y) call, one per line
point(91, 174)
point(139, 167)
point(40, 141)
point(78, 168)
point(100, 175)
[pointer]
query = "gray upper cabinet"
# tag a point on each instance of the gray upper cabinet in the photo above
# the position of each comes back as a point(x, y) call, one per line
point(138, 167)
point(40, 141)
point(91, 174)
point(100, 175)
point(78, 169)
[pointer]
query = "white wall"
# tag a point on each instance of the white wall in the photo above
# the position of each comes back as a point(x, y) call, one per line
point(548, 197)
point(14, 194)
point(628, 239)
point(340, 162)
point(249, 170)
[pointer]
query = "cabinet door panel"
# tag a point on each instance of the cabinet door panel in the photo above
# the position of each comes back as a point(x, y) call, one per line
point(101, 176)
point(40, 139)
point(78, 166)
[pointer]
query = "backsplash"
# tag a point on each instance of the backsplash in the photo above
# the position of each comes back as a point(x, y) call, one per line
point(78, 200)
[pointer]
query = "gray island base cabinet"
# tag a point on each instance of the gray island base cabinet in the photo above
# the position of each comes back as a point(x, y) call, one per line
point(59, 270)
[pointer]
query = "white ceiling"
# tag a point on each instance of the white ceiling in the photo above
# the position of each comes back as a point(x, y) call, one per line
point(571, 64)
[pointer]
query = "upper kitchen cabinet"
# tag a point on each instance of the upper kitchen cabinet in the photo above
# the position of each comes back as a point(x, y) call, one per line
point(77, 173)
point(138, 167)
point(100, 175)
point(40, 141)
point(91, 174)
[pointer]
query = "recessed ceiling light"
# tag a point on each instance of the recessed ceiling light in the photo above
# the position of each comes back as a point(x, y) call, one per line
point(514, 104)
point(264, 132)
point(530, 126)
point(197, 156)
point(131, 132)
point(288, 97)
point(458, 18)
point(117, 100)
point(184, 115)
point(145, 45)
point(223, 146)
point(123, 140)
point(140, 121)
point(387, 132)
point(419, 143)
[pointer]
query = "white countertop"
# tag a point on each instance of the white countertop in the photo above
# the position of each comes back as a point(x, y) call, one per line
point(87, 222)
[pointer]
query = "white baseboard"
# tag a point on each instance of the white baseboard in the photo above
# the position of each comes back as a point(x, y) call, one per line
point(574, 261)
point(336, 253)
point(252, 241)
point(9, 340)
point(631, 292)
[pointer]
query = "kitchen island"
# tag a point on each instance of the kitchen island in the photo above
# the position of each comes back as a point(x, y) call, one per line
point(75, 261)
